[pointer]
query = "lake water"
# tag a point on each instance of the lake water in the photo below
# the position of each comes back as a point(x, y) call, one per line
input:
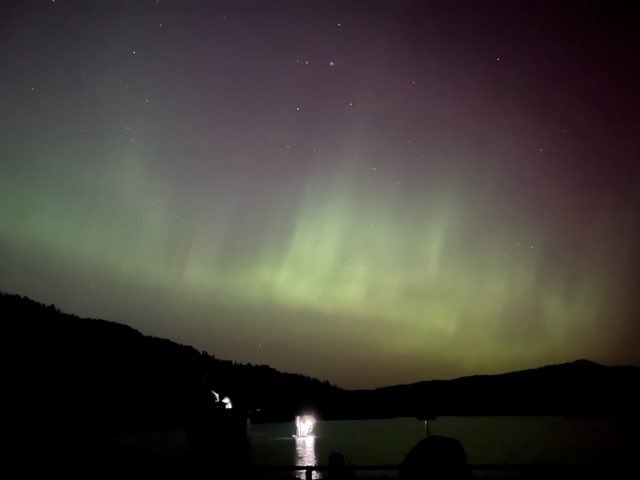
point(538, 440)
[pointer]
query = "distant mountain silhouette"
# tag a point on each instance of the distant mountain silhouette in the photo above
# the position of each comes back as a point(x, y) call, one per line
point(579, 388)
point(107, 376)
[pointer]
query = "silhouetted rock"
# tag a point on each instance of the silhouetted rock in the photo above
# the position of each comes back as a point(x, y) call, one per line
point(436, 457)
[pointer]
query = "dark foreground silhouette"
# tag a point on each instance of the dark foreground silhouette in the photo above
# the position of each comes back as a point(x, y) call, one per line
point(147, 379)
point(80, 389)
point(436, 457)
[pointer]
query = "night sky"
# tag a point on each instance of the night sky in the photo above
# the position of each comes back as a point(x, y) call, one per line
point(367, 192)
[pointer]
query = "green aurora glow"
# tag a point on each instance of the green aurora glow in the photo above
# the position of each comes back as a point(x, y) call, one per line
point(332, 240)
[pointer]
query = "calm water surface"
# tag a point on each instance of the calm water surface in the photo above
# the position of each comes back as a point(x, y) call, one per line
point(541, 440)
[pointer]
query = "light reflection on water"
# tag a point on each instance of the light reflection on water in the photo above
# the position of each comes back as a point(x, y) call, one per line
point(536, 440)
point(306, 454)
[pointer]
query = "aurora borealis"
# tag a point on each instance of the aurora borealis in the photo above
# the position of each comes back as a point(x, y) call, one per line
point(367, 192)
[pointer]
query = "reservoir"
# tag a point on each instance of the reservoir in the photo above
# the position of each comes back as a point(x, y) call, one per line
point(486, 440)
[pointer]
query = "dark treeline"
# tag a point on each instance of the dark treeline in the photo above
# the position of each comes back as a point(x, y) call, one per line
point(114, 377)
point(581, 388)
point(76, 384)
point(121, 378)
point(129, 380)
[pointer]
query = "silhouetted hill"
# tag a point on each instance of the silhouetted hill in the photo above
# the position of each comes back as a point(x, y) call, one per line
point(77, 386)
point(119, 379)
point(579, 388)
point(108, 376)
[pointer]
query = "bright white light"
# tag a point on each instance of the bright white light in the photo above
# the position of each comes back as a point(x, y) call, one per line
point(215, 395)
point(304, 425)
point(227, 402)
